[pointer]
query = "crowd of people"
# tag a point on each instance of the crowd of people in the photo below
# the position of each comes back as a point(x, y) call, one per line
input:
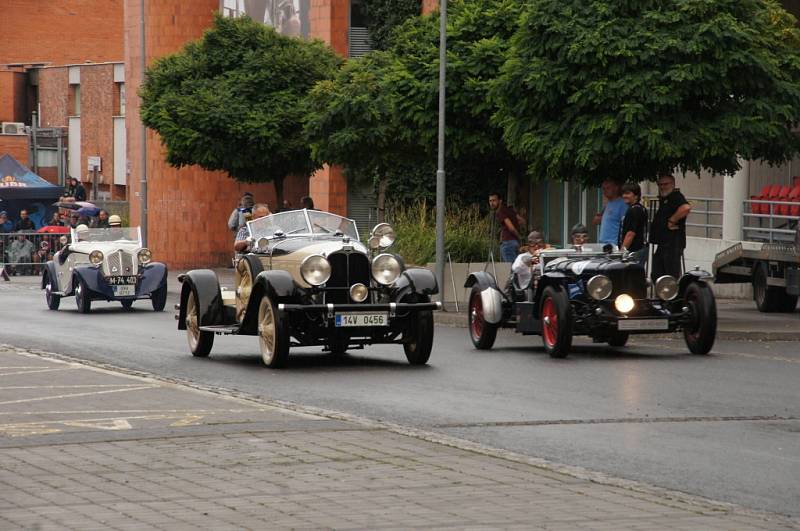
point(248, 210)
point(623, 222)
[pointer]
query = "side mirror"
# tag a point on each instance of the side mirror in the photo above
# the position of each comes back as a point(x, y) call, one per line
point(382, 236)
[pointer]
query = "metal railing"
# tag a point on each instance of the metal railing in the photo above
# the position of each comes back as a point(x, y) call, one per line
point(25, 253)
point(705, 217)
point(770, 227)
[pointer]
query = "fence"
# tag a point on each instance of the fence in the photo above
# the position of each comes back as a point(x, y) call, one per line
point(25, 253)
point(705, 218)
point(769, 221)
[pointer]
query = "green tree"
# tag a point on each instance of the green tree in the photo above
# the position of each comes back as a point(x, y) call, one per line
point(379, 116)
point(234, 101)
point(384, 15)
point(630, 89)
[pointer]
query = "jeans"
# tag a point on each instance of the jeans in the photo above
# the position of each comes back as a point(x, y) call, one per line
point(508, 250)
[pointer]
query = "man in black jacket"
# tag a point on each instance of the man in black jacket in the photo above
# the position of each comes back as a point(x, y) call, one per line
point(668, 230)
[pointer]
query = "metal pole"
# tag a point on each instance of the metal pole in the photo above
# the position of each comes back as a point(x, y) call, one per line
point(440, 175)
point(143, 162)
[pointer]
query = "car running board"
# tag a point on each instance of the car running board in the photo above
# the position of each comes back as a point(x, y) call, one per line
point(224, 330)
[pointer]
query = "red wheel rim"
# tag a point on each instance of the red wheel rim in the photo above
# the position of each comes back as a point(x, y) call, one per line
point(549, 322)
point(476, 317)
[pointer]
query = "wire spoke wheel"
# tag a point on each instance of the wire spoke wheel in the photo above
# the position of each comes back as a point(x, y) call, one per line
point(273, 336)
point(200, 342)
point(481, 333)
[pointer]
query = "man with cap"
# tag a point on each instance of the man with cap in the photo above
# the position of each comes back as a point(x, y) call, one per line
point(114, 221)
point(238, 217)
point(526, 261)
point(579, 236)
point(6, 225)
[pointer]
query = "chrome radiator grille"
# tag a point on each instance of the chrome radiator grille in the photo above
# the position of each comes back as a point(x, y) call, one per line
point(120, 263)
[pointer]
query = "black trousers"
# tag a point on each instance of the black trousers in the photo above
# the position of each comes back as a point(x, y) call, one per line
point(666, 261)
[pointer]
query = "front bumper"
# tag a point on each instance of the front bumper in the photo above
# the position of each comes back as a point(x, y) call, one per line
point(649, 317)
point(394, 308)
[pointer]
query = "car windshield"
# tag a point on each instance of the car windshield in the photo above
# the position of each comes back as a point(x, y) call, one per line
point(111, 234)
point(295, 222)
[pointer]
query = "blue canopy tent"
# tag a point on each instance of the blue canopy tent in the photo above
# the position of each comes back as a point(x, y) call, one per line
point(21, 189)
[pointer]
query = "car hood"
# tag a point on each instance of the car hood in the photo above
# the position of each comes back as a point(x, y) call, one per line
point(104, 247)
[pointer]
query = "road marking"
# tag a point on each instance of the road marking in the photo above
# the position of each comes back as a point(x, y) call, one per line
point(115, 424)
point(75, 395)
point(27, 430)
point(84, 386)
point(624, 420)
point(189, 420)
point(108, 411)
point(41, 370)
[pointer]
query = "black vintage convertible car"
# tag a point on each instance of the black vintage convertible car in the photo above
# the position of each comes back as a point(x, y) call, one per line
point(307, 281)
point(593, 292)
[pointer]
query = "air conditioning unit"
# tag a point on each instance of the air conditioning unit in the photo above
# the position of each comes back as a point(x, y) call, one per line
point(13, 128)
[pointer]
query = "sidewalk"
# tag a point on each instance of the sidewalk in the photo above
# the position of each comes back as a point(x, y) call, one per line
point(85, 447)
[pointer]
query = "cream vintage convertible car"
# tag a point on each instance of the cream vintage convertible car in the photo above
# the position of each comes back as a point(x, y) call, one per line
point(308, 280)
point(105, 264)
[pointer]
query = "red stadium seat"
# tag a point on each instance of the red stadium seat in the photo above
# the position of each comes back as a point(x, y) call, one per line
point(783, 195)
point(758, 208)
point(794, 197)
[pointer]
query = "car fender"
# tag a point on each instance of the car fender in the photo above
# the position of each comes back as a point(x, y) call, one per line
point(154, 276)
point(204, 283)
point(693, 275)
point(491, 296)
point(91, 276)
point(51, 272)
point(415, 281)
point(277, 284)
point(553, 278)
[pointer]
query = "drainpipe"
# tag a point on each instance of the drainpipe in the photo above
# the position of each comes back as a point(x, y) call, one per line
point(143, 162)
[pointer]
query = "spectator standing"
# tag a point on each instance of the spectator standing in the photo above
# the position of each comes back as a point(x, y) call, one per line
point(307, 202)
point(73, 220)
point(632, 235)
point(610, 218)
point(76, 190)
point(668, 230)
point(237, 218)
point(6, 225)
point(102, 220)
point(20, 254)
point(287, 206)
point(509, 233)
point(55, 220)
point(25, 222)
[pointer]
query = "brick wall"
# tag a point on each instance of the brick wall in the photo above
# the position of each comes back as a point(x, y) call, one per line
point(17, 146)
point(62, 32)
point(54, 97)
point(187, 208)
point(97, 124)
point(428, 6)
point(13, 99)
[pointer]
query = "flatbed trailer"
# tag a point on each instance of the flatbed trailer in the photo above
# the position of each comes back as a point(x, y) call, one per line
point(772, 268)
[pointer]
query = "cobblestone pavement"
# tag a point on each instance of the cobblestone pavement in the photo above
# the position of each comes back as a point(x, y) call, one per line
point(84, 447)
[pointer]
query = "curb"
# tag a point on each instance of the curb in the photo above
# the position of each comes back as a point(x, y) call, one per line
point(459, 320)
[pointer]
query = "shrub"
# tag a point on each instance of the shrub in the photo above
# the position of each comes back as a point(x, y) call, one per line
point(468, 235)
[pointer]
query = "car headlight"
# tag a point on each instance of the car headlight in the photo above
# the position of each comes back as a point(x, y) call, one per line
point(624, 303)
point(666, 288)
point(359, 292)
point(145, 256)
point(96, 257)
point(382, 236)
point(385, 269)
point(315, 269)
point(599, 287)
point(262, 244)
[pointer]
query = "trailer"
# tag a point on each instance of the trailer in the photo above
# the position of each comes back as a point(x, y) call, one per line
point(772, 268)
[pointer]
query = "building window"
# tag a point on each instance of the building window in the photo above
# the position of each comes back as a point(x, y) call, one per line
point(120, 99)
point(75, 100)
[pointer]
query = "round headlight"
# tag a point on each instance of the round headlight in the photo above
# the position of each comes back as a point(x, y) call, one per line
point(624, 303)
point(385, 269)
point(359, 292)
point(315, 270)
point(262, 243)
point(599, 287)
point(382, 236)
point(666, 288)
point(96, 257)
point(145, 256)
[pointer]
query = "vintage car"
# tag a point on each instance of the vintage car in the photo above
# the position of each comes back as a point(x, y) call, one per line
point(596, 292)
point(106, 264)
point(307, 281)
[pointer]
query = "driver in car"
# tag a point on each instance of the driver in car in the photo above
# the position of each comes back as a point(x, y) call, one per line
point(243, 243)
point(579, 236)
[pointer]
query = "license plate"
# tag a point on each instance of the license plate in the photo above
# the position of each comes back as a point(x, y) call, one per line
point(362, 319)
point(124, 291)
point(643, 324)
point(115, 281)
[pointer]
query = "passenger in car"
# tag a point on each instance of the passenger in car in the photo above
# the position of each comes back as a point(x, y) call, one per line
point(242, 243)
point(579, 236)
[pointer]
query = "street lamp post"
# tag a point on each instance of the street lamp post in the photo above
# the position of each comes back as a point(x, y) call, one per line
point(440, 175)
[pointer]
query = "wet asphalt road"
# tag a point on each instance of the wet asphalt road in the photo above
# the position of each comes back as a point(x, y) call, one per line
point(725, 426)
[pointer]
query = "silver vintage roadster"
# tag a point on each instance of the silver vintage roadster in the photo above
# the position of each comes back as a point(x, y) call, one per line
point(105, 264)
point(308, 280)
